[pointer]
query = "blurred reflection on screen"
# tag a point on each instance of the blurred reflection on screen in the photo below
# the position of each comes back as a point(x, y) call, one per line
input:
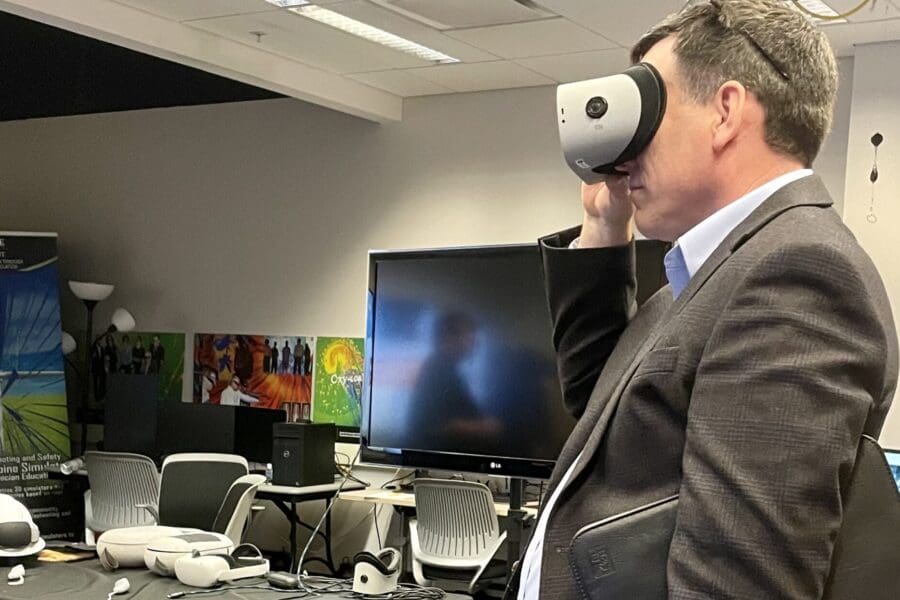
point(462, 359)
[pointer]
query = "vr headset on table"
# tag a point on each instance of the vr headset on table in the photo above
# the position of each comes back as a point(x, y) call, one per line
point(608, 121)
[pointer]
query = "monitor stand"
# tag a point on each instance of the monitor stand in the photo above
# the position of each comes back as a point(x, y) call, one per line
point(515, 525)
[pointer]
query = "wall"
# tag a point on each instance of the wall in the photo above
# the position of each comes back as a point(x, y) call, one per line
point(876, 108)
point(257, 217)
point(831, 164)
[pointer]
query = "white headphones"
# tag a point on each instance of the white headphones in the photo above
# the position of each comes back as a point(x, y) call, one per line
point(375, 574)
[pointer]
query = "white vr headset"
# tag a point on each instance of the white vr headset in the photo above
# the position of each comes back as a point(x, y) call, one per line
point(608, 121)
point(19, 536)
point(376, 574)
point(211, 570)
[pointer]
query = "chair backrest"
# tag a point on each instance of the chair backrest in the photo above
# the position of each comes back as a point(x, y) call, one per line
point(235, 510)
point(866, 554)
point(193, 486)
point(455, 519)
point(119, 481)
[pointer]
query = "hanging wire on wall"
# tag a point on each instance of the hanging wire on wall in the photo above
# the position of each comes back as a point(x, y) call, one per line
point(876, 140)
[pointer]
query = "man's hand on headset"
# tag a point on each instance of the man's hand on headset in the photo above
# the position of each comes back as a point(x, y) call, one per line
point(608, 213)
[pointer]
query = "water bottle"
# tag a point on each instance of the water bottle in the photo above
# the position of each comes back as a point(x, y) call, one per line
point(70, 466)
point(268, 472)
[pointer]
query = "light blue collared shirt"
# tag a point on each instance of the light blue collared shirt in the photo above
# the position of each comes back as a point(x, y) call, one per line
point(693, 248)
point(685, 258)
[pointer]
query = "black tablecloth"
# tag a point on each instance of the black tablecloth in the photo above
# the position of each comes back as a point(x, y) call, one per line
point(87, 580)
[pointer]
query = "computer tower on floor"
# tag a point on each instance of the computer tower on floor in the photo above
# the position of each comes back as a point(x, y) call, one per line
point(303, 453)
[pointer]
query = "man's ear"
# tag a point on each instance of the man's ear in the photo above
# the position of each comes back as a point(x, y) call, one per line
point(730, 103)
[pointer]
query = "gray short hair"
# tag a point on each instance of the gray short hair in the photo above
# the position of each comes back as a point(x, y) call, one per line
point(782, 58)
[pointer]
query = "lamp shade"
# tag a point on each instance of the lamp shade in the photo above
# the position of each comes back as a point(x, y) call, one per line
point(95, 292)
point(68, 343)
point(122, 320)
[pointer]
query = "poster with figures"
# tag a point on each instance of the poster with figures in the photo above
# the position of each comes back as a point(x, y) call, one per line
point(338, 381)
point(34, 425)
point(142, 353)
point(263, 371)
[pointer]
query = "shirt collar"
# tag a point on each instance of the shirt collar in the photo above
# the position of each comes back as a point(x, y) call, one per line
point(698, 243)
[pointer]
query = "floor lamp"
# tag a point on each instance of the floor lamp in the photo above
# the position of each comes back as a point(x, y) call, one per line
point(92, 294)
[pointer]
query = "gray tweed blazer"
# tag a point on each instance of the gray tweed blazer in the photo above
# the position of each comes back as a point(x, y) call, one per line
point(747, 396)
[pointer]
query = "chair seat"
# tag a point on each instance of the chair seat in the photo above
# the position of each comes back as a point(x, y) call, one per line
point(495, 569)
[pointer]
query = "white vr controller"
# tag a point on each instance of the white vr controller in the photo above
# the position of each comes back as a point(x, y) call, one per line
point(608, 121)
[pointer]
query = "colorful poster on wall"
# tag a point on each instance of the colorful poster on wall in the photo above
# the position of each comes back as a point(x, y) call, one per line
point(136, 353)
point(34, 426)
point(264, 371)
point(338, 381)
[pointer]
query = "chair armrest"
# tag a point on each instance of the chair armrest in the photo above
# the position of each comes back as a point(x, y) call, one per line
point(150, 508)
point(487, 561)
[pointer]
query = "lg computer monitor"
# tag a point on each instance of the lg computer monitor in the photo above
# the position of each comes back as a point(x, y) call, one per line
point(460, 368)
point(893, 458)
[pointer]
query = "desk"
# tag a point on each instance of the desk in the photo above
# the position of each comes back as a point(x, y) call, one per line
point(408, 500)
point(86, 580)
point(405, 504)
point(286, 499)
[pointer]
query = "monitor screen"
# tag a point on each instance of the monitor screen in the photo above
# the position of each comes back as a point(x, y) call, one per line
point(893, 458)
point(460, 368)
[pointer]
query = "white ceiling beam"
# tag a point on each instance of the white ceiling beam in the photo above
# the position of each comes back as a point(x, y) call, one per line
point(147, 33)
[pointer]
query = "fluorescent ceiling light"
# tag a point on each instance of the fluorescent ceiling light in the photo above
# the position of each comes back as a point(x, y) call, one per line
point(288, 3)
point(368, 32)
point(818, 7)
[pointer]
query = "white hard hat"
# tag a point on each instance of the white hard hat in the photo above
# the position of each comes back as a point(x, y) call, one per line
point(19, 536)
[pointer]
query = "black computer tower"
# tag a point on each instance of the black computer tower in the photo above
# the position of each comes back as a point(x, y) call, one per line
point(303, 453)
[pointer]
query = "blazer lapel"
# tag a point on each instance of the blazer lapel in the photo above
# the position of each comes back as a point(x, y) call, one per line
point(808, 191)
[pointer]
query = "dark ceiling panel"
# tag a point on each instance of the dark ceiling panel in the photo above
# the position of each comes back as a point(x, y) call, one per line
point(49, 72)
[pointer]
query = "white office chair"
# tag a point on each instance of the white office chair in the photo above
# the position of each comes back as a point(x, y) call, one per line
point(455, 533)
point(234, 514)
point(193, 487)
point(119, 481)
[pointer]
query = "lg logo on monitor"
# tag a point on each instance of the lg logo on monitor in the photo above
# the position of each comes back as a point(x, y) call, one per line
point(496, 465)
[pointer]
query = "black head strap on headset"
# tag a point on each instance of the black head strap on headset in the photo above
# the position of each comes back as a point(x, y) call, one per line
point(653, 106)
point(386, 562)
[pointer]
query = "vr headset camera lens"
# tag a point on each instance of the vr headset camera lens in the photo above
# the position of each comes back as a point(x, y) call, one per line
point(596, 107)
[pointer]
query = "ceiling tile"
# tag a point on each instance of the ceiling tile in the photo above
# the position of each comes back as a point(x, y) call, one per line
point(622, 22)
point(411, 30)
point(875, 11)
point(536, 38)
point(186, 10)
point(580, 65)
point(402, 83)
point(179, 10)
point(309, 42)
point(845, 36)
point(457, 14)
point(481, 76)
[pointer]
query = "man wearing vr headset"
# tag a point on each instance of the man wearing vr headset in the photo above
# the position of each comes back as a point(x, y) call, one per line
point(743, 387)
